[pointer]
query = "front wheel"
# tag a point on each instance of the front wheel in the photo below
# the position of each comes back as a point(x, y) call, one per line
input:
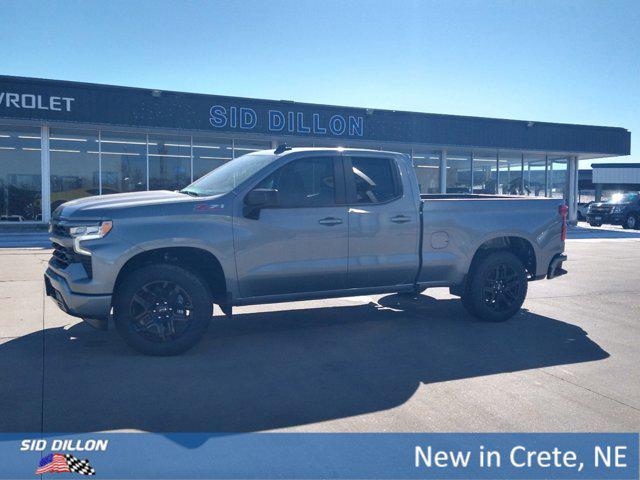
point(631, 222)
point(162, 309)
point(497, 287)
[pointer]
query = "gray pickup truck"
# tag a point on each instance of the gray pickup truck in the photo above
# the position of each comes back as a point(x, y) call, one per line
point(292, 224)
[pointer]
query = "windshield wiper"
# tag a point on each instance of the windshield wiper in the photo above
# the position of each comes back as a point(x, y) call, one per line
point(189, 192)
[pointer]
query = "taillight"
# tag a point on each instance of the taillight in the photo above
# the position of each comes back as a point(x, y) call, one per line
point(562, 210)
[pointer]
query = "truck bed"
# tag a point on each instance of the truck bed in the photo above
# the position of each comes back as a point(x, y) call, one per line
point(456, 225)
point(476, 196)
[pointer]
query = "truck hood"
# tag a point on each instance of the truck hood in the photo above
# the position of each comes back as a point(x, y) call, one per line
point(106, 206)
point(610, 204)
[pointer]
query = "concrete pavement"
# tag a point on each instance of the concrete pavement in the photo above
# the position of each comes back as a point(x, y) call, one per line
point(568, 362)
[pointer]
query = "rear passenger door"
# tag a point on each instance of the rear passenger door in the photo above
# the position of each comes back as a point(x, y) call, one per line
point(383, 223)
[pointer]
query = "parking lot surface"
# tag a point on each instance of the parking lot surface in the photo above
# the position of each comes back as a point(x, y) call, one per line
point(567, 362)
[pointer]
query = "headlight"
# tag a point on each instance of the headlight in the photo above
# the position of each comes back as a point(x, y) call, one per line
point(617, 209)
point(89, 232)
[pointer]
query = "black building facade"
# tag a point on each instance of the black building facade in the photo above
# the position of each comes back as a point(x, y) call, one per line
point(62, 140)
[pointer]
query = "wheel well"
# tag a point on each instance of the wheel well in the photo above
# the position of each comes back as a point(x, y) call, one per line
point(519, 246)
point(199, 261)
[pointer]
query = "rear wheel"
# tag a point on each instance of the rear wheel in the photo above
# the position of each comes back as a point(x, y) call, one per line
point(497, 287)
point(162, 309)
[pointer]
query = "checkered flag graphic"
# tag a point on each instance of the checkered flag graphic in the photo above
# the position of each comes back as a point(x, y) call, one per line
point(79, 466)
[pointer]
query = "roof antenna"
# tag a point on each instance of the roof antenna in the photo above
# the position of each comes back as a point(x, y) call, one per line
point(283, 147)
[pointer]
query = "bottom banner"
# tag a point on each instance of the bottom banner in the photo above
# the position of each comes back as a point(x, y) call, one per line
point(321, 455)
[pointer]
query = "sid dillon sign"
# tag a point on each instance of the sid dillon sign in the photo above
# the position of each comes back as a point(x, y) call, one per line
point(283, 121)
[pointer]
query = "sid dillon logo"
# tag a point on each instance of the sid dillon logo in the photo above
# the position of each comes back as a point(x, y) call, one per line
point(64, 463)
point(57, 462)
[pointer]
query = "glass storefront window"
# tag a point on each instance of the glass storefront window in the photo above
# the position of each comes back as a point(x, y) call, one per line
point(484, 173)
point(74, 165)
point(20, 174)
point(427, 167)
point(510, 165)
point(169, 162)
point(557, 177)
point(458, 172)
point(242, 147)
point(124, 162)
point(139, 161)
point(534, 173)
point(209, 154)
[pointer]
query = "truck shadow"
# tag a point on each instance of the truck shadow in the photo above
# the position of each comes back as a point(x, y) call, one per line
point(261, 371)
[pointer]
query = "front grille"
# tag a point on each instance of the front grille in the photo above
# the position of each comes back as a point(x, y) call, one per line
point(58, 230)
point(600, 210)
point(64, 256)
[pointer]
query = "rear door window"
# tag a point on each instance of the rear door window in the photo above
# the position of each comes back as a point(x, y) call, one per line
point(374, 180)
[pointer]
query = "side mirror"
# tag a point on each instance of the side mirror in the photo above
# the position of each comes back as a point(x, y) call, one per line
point(261, 198)
point(257, 199)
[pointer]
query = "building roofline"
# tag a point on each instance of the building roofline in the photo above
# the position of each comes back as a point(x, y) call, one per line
point(615, 165)
point(71, 83)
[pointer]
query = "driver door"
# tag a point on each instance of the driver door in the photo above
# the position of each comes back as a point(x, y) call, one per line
point(301, 244)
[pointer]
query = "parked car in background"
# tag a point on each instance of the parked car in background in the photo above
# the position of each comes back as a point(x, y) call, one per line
point(623, 209)
point(583, 208)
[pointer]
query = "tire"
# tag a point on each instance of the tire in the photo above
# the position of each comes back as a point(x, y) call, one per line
point(631, 222)
point(496, 288)
point(162, 309)
point(593, 224)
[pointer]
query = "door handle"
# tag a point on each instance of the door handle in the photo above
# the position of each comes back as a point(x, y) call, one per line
point(400, 219)
point(329, 221)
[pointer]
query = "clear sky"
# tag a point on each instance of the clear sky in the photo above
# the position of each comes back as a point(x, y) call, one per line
point(558, 61)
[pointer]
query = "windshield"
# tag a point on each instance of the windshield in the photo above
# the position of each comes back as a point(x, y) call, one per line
point(624, 197)
point(228, 176)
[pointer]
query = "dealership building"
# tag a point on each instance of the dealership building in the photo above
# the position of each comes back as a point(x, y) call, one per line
point(63, 140)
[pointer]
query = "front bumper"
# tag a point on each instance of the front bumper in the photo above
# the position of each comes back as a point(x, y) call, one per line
point(94, 309)
point(608, 218)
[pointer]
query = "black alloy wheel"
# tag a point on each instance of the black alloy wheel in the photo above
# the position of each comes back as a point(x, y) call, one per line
point(496, 287)
point(501, 287)
point(162, 309)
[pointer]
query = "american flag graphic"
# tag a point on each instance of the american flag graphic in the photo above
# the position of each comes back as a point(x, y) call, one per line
point(60, 463)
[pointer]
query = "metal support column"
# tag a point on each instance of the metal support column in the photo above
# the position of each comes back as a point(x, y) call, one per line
point(99, 162)
point(572, 189)
point(443, 171)
point(522, 174)
point(147, 156)
point(598, 196)
point(191, 155)
point(471, 179)
point(45, 166)
point(497, 189)
point(546, 175)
